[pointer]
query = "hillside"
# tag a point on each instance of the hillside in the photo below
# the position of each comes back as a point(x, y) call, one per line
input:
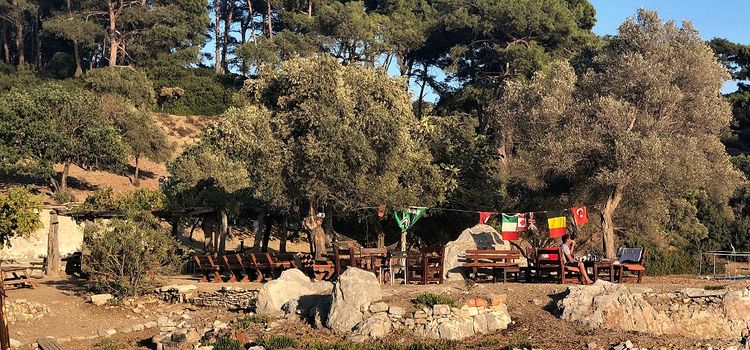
point(180, 130)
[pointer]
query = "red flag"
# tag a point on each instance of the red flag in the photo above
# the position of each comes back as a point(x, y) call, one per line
point(484, 216)
point(580, 215)
point(381, 210)
point(521, 222)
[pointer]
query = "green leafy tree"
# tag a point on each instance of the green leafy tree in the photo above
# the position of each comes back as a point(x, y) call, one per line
point(127, 82)
point(73, 24)
point(19, 214)
point(139, 130)
point(52, 124)
point(736, 57)
point(635, 134)
point(306, 143)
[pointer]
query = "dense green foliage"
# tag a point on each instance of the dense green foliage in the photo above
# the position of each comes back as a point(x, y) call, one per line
point(19, 215)
point(126, 255)
point(431, 299)
point(126, 82)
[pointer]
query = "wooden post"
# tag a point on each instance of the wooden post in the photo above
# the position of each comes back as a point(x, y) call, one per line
point(4, 333)
point(53, 247)
point(223, 231)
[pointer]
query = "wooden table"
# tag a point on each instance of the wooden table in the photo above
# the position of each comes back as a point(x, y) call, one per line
point(596, 266)
point(21, 275)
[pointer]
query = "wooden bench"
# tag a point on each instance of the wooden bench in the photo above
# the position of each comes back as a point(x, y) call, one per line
point(548, 265)
point(20, 276)
point(493, 260)
point(48, 344)
point(234, 265)
point(206, 265)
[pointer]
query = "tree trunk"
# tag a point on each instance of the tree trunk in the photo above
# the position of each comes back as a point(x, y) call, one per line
point(217, 37)
point(19, 44)
point(420, 103)
point(207, 226)
point(228, 19)
point(223, 231)
point(76, 49)
point(6, 44)
point(259, 232)
point(64, 177)
point(113, 40)
point(266, 235)
point(251, 15)
point(269, 16)
point(37, 39)
point(309, 8)
point(283, 234)
point(607, 225)
point(314, 224)
point(53, 247)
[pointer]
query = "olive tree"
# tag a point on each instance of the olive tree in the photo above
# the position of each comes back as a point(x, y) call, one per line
point(641, 127)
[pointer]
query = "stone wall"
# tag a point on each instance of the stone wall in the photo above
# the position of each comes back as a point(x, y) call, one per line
point(231, 298)
point(21, 310)
point(70, 236)
point(691, 312)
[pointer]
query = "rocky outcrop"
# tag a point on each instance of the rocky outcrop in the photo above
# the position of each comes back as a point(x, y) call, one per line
point(478, 237)
point(691, 313)
point(21, 310)
point(355, 289)
point(293, 285)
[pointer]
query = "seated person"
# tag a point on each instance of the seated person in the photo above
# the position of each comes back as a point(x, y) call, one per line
point(570, 263)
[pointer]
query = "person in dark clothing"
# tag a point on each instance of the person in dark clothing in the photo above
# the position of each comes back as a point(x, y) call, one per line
point(572, 264)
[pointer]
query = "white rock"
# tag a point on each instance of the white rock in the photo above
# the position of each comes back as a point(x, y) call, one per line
point(291, 285)
point(100, 299)
point(355, 287)
point(15, 343)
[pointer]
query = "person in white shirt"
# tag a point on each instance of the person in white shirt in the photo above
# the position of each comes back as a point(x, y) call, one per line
point(570, 263)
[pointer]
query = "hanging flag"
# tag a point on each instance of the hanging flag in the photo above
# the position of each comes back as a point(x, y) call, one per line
point(521, 222)
point(510, 227)
point(580, 215)
point(557, 224)
point(531, 222)
point(381, 210)
point(407, 218)
point(484, 216)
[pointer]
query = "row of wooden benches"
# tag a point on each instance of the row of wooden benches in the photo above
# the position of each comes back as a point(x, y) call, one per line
point(239, 267)
point(544, 264)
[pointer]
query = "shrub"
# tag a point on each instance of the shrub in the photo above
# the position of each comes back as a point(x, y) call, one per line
point(277, 341)
point(440, 345)
point(127, 82)
point(430, 300)
point(107, 345)
point(125, 256)
point(18, 214)
point(227, 343)
point(193, 91)
point(245, 322)
point(661, 262)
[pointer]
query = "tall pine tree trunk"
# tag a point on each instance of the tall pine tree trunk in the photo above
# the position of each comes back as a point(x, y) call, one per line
point(19, 39)
point(6, 44)
point(607, 225)
point(37, 40)
point(76, 49)
point(269, 17)
point(228, 19)
point(217, 37)
point(251, 14)
point(113, 40)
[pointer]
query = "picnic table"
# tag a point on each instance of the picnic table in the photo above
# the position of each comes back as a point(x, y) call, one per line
point(20, 275)
point(598, 267)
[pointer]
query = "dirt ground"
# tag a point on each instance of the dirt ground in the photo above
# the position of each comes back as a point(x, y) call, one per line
point(529, 305)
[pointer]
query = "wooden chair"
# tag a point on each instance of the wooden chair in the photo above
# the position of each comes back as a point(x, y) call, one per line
point(263, 266)
point(505, 261)
point(235, 267)
point(396, 263)
point(374, 260)
point(344, 258)
point(206, 265)
point(629, 270)
point(427, 266)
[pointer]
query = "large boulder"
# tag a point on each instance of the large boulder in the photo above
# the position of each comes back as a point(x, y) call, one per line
point(293, 288)
point(478, 237)
point(354, 289)
point(687, 313)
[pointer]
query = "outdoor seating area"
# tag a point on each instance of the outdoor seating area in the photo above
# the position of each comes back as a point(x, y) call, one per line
point(426, 266)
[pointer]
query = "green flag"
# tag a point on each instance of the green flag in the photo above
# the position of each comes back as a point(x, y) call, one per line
point(407, 218)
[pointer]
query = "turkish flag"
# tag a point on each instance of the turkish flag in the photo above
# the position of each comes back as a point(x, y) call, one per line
point(580, 215)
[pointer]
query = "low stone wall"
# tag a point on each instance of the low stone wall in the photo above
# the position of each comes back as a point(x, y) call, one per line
point(478, 316)
point(231, 298)
point(691, 312)
point(20, 310)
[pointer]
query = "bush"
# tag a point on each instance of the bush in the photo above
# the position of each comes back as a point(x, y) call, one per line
point(226, 343)
point(277, 341)
point(245, 322)
point(18, 214)
point(107, 345)
point(193, 91)
point(127, 82)
point(125, 256)
point(430, 300)
point(660, 262)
